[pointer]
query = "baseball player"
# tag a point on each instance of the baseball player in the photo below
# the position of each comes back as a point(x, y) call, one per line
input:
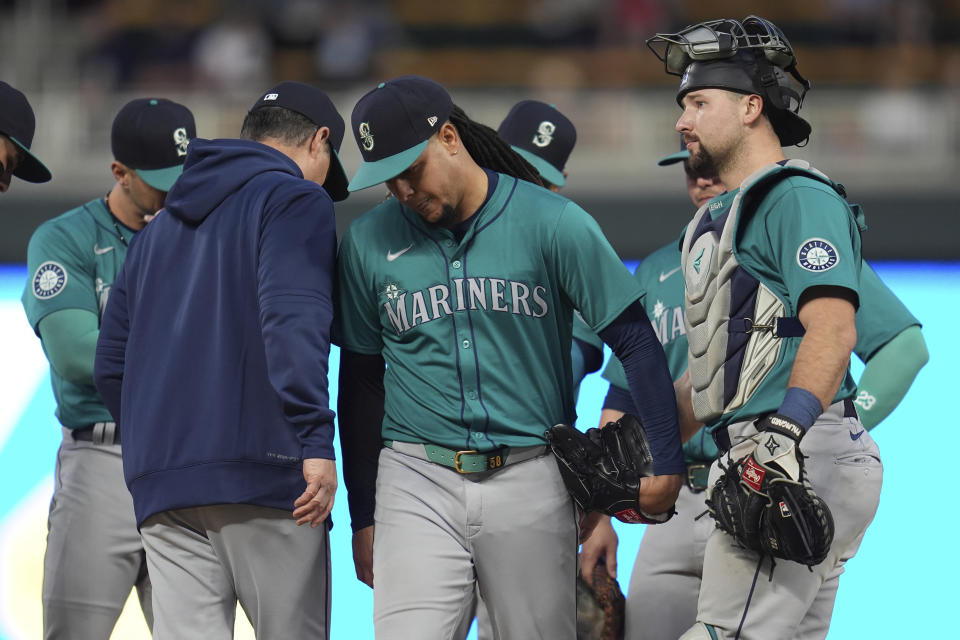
point(544, 137)
point(464, 284)
point(94, 554)
point(776, 262)
point(17, 125)
point(213, 355)
point(666, 576)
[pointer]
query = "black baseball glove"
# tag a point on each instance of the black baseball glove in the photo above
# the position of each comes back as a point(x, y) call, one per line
point(602, 467)
point(766, 503)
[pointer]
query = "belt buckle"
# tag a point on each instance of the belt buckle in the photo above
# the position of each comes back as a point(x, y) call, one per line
point(691, 481)
point(456, 460)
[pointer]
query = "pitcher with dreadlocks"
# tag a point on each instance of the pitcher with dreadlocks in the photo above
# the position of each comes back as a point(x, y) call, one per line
point(772, 281)
point(464, 284)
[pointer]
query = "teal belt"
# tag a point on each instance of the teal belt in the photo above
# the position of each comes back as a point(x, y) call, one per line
point(468, 461)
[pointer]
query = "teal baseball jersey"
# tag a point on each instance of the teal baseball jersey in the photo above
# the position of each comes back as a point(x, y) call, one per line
point(881, 315)
point(583, 333)
point(802, 235)
point(476, 334)
point(72, 262)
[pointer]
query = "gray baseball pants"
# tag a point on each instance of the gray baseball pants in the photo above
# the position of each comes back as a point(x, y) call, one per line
point(94, 555)
point(439, 535)
point(203, 560)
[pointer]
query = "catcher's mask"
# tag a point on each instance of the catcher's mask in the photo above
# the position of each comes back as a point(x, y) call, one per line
point(751, 57)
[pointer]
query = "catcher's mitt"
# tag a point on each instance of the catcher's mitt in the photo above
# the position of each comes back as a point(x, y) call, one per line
point(602, 467)
point(599, 607)
point(766, 503)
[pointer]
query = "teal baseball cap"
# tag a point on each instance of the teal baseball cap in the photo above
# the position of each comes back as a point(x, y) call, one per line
point(673, 158)
point(392, 125)
point(150, 135)
point(542, 135)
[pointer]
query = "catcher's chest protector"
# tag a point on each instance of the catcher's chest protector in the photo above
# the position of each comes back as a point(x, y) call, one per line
point(726, 367)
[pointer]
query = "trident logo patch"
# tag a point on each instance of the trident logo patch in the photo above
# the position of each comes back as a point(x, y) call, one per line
point(365, 136)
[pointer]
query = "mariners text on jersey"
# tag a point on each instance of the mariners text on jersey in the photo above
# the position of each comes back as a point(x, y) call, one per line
point(406, 310)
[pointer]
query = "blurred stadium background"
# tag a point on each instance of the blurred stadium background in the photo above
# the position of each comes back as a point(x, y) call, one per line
point(885, 110)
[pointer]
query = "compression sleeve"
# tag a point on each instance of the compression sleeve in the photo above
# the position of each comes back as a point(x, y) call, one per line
point(69, 339)
point(632, 339)
point(889, 374)
point(360, 410)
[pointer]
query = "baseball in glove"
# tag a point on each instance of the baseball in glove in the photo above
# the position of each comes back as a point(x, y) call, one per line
point(766, 503)
point(600, 606)
point(602, 467)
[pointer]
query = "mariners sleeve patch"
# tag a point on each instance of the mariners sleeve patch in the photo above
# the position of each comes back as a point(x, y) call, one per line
point(816, 254)
point(49, 280)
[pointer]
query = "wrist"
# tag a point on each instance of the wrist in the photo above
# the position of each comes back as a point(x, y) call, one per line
point(778, 423)
point(800, 406)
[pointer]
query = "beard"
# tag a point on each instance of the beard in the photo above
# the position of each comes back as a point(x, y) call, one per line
point(702, 163)
point(448, 218)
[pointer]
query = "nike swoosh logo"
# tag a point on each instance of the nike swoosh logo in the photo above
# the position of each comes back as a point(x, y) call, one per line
point(856, 436)
point(391, 256)
point(664, 276)
point(97, 250)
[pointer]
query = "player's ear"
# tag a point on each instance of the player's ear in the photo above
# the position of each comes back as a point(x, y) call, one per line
point(318, 141)
point(449, 137)
point(119, 170)
point(752, 108)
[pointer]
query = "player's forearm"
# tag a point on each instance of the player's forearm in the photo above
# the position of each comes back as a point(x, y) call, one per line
point(70, 341)
point(889, 374)
point(824, 353)
point(360, 408)
point(633, 341)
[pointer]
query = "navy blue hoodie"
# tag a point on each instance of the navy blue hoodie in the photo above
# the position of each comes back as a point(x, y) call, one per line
point(214, 344)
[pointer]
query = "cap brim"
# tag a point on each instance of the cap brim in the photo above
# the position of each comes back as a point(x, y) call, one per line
point(547, 171)
point(161, 179)
point(31, 169)
point(371, 173)
point(336, 181)
point(673, 158)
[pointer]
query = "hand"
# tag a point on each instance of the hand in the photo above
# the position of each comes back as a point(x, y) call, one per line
point(658, 494)
point(363, 555)
point(600, 546)
point(588, 522)
point(315, 503)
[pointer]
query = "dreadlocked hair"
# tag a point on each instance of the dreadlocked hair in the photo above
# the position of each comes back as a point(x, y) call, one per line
point(490, 151)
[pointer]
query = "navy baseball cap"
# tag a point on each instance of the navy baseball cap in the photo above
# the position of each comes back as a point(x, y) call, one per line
point(392, 125)
point(316, 106)
point(150, 135)
point(18, 123)
point(542, 135)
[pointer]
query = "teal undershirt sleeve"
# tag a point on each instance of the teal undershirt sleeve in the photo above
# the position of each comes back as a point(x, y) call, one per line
point(889, 374)
point(70, 340)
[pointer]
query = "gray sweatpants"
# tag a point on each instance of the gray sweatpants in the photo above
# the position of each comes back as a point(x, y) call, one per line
point(204, 559)
point(440, 534)
point(844, 468)
point(94, 554)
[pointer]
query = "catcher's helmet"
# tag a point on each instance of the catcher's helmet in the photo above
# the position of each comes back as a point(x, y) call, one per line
point(752, 56)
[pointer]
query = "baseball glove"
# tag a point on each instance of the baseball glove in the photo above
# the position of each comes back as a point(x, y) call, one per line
point(602, 467)
point(600, 607)
point(766, 503)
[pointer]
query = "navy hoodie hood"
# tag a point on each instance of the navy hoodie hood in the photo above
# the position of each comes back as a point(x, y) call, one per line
point(215, 169)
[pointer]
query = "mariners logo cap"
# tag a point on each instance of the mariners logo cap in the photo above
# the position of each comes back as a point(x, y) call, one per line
point(542, 135)
point(150, 135)
point(18, 123)
point(316, 106)
point(392, 125)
